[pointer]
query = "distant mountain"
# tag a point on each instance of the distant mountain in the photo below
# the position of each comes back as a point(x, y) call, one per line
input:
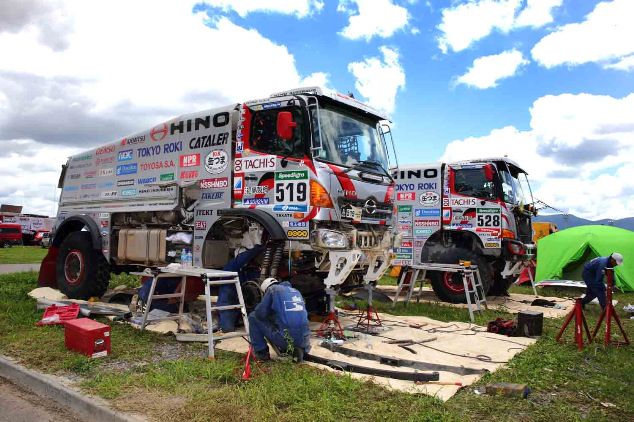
point(566, 221)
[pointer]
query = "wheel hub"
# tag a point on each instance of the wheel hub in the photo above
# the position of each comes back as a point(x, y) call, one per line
point(74, 266)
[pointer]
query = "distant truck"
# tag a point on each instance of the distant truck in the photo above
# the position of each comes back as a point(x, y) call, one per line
point(476, 210)
point(305, 170)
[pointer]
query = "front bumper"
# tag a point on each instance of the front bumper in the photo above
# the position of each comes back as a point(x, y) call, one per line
point(352, 248)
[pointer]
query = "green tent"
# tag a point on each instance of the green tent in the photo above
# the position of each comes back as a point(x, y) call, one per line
point(561, 255)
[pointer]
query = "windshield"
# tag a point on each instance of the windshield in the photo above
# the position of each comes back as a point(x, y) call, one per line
point(513, 187)
point(348, 140)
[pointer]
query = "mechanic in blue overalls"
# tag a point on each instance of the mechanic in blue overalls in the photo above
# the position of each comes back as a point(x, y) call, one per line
point(593, 277)
point(280, 318)
point(227, 294)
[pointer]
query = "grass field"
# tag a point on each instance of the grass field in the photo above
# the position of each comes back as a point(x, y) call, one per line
point(172, 381)
point(22, 255)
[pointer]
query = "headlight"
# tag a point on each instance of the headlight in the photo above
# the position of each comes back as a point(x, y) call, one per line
point(330, 239)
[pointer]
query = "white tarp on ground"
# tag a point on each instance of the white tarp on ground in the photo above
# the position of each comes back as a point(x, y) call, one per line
point(512, 304)
point(478, 349)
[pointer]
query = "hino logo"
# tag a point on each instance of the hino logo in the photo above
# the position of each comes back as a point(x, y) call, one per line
point(370, 206)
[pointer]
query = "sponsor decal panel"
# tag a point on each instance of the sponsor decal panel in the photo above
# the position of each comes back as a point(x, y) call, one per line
point(422, 232)
point(105, 185)
point(104, 160)
point(216, 183)
point(127, 169)
point(212, 195)
point(167, 177)
point(86, 186)
point(107, 172)
point(150, 151)
point(462, 202)
point(405, 196)
point(146, 180)
point(290, 208)
point(297, 234)
point(110, 194)
point(429, 199)
point(90, 174)
point(207, 141)
point(173, 147)
point(406, 244)
point(190, 160)
point(426, 223)
point(128, 192)
point(204, 212)
point(125, 182)
point(421, 212)
point(256, 163)
point(189, 174)
point(200, 225)
point(156, 165)
point(404, 208)
point(256, 190)
point(291, 175)
point(255, 201)
point(135, 140)
point(126, 155)
point(83, 157)
point(216, 161)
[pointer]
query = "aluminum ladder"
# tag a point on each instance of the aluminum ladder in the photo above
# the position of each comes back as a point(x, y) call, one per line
point(411, 276)
point(209, 278)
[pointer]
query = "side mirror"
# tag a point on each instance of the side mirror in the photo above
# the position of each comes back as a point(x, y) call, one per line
point(488, 172)
point(285, 125)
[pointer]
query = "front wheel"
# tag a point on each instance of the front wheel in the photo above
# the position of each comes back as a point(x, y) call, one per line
point(82, 272)
point(448, 286)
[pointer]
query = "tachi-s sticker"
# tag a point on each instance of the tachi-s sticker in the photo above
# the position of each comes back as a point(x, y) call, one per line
point(216, 161)
point(429, 199)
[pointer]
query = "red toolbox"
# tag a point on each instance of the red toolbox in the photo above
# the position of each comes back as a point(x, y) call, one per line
point(88, 337)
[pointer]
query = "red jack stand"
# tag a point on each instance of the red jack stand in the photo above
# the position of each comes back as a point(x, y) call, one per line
point(331, 326)
point(250, 356)
point(577, 314)
point(369, 317)
point(608, 313)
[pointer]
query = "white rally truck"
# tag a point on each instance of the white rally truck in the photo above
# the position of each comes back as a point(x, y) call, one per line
point(476, 210)
point(306, 172)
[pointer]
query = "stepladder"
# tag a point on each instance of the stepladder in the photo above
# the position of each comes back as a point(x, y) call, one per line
point(414, 276)
point(209, 278)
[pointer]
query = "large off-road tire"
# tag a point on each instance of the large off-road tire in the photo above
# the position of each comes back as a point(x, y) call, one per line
point(448, 286)
point(82, 272)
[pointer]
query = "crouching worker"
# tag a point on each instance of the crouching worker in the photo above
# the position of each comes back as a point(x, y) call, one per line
point(592, 274)
point(280, 318)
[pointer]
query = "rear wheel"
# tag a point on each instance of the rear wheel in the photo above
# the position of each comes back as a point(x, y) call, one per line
point(82, 272)
point(448, 286)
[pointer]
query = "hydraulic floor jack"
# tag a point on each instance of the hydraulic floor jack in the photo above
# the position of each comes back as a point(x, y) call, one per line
point(330, 327)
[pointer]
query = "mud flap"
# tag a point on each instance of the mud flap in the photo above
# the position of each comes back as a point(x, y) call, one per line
point(341, 265)
point(47, 276)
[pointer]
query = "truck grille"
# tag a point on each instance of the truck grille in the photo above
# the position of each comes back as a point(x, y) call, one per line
point(367, 240)
point(382, 210)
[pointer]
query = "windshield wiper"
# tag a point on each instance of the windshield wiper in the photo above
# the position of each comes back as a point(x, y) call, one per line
point(368, 164)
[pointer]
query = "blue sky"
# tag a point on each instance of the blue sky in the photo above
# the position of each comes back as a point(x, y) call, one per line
point(550, 83)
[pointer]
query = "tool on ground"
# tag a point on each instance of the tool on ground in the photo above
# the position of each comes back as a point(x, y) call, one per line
point(369, 317)
point(508, 389)
point(358, 369)
point(608, 314)
point(458, 383)
point(580, 325)
point(248, 369)
point(330, 327)
point(474, 291)
point(405, 343)
point(59, 314)
point(506, 327)
point(397, 362)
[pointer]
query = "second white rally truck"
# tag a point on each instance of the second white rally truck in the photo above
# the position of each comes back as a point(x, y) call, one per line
point(476, 210)
point(306, 172)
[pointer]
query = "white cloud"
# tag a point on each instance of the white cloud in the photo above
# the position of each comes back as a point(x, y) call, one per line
point(572, 141)
point(374, 18)
point(488, 70)
point(379, 80)
point(29, 173)
point(299, 8)
point(466, 23)
point(626, 63)
point(606, 36)
point(124, 67)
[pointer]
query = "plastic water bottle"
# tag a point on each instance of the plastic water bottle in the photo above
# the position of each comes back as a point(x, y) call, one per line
point(183, 257)
point(190, 258)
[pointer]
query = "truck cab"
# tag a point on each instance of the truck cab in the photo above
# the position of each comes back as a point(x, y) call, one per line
point(475, 210)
